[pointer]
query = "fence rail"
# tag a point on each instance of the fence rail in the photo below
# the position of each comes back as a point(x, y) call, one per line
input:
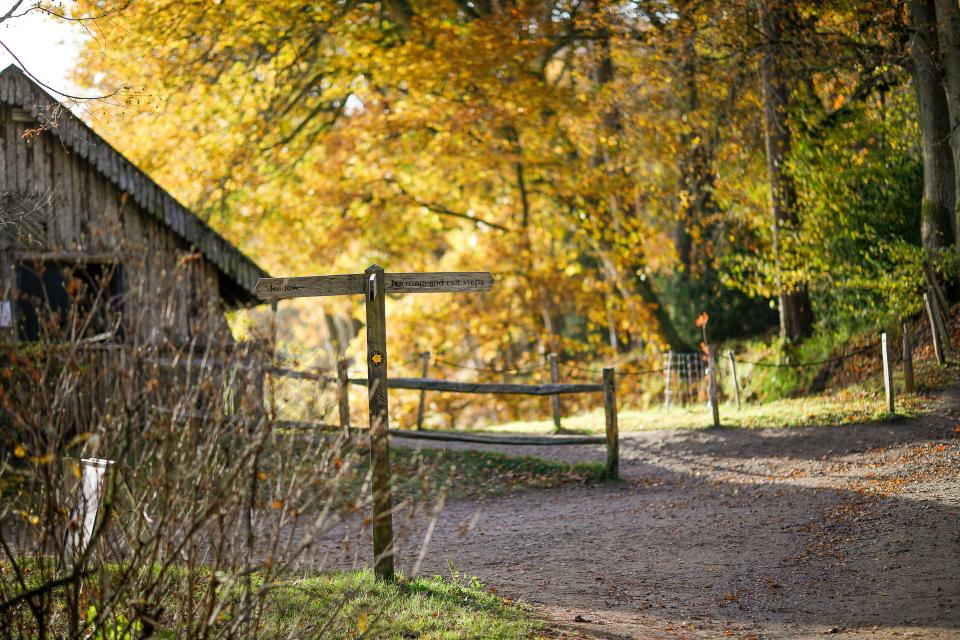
point(434, 384)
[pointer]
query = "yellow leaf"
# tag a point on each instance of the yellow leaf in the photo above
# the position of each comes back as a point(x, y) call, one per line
point(20, 451)
point(362, 622)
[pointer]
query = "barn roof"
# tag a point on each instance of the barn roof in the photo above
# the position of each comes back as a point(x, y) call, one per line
point(239, 273)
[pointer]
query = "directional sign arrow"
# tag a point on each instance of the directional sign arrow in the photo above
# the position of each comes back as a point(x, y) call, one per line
point(453, 281)
point(353, 284)
point(309, 286)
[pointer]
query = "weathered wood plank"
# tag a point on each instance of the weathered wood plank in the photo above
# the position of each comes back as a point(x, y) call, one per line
point(452, 436)
point(309, 286)
point(343, 395)
point(555, 400)
point(78, 257)
point(23, 180)
point(612, 471)
point(934, 333)
point(425, 356)
point(908, 384)
point(299, 375)
point(463, 281)
point(10, 159)
point(432, 384)
point(383, 551)
point(352, 284)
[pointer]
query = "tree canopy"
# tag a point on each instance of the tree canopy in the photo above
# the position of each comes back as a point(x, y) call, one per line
point(611, 161)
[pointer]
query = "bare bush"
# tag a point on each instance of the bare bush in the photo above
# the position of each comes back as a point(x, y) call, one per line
point(206, 503)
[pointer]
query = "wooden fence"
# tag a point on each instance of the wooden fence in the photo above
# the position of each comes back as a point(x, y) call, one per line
point(607, 387)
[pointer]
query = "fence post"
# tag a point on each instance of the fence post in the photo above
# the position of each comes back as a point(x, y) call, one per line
point(612, 471)
point(908, 386)
point(423, 393)
point(937, 346)
point(733, 372)
point(887, 372)
point(377, 363)
point(712, 382)
point(555, 399)
point(343, 396)
point(666, 388)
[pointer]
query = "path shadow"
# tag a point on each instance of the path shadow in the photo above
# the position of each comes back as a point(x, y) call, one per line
point(693, 535)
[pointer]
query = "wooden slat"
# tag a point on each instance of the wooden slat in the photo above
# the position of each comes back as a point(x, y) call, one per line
point(449, 436)
point(309, 286)
point(454, 436)
point(461, 281)
point(352, 284)
point(300, 375)
point(432, 384)
point(612, 469)
point(305, 424)
point(77, 257)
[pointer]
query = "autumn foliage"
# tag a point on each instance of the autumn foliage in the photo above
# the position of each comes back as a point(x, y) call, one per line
point(605, 159)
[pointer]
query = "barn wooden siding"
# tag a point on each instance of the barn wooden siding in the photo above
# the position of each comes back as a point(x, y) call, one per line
point(93, 204)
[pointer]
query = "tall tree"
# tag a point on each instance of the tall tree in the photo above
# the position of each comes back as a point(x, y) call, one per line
point(796, 315)
point(948, 32)
point(938, 224)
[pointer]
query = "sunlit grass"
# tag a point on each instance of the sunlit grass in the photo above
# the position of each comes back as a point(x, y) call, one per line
point(863, 401)
point(466, 474)
point(341, 604)
point(852, 405)
point(347, 605)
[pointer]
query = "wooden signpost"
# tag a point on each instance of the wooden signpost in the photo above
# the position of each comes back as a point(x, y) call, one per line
point(374, 284)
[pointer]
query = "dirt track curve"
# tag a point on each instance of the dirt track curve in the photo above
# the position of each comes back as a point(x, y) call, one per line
point(851, 531)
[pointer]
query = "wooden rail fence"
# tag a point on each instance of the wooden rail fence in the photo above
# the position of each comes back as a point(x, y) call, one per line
point(607, 387)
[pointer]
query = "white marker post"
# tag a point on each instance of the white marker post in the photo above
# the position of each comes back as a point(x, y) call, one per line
point(86, 511)
point(887, 372)
point(374, 284)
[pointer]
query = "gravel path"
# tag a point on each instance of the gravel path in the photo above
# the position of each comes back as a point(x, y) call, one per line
point(780, 533)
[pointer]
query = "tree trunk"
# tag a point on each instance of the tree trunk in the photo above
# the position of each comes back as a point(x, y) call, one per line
point(796, 315)
point(668, 331)
point(939, 187)
point(689, 161)
point(948, 32)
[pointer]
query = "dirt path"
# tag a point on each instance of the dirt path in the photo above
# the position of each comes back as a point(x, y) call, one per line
point(784, 533)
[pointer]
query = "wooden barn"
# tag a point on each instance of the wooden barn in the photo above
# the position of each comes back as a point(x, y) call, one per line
point(73, 208)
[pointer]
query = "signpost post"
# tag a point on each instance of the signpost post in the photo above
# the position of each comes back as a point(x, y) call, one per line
point(374, 284)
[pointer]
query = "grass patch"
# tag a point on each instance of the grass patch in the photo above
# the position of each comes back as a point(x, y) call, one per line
point(329, 605)
point(847, 406)
point(467, 474)
point(355, 603)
